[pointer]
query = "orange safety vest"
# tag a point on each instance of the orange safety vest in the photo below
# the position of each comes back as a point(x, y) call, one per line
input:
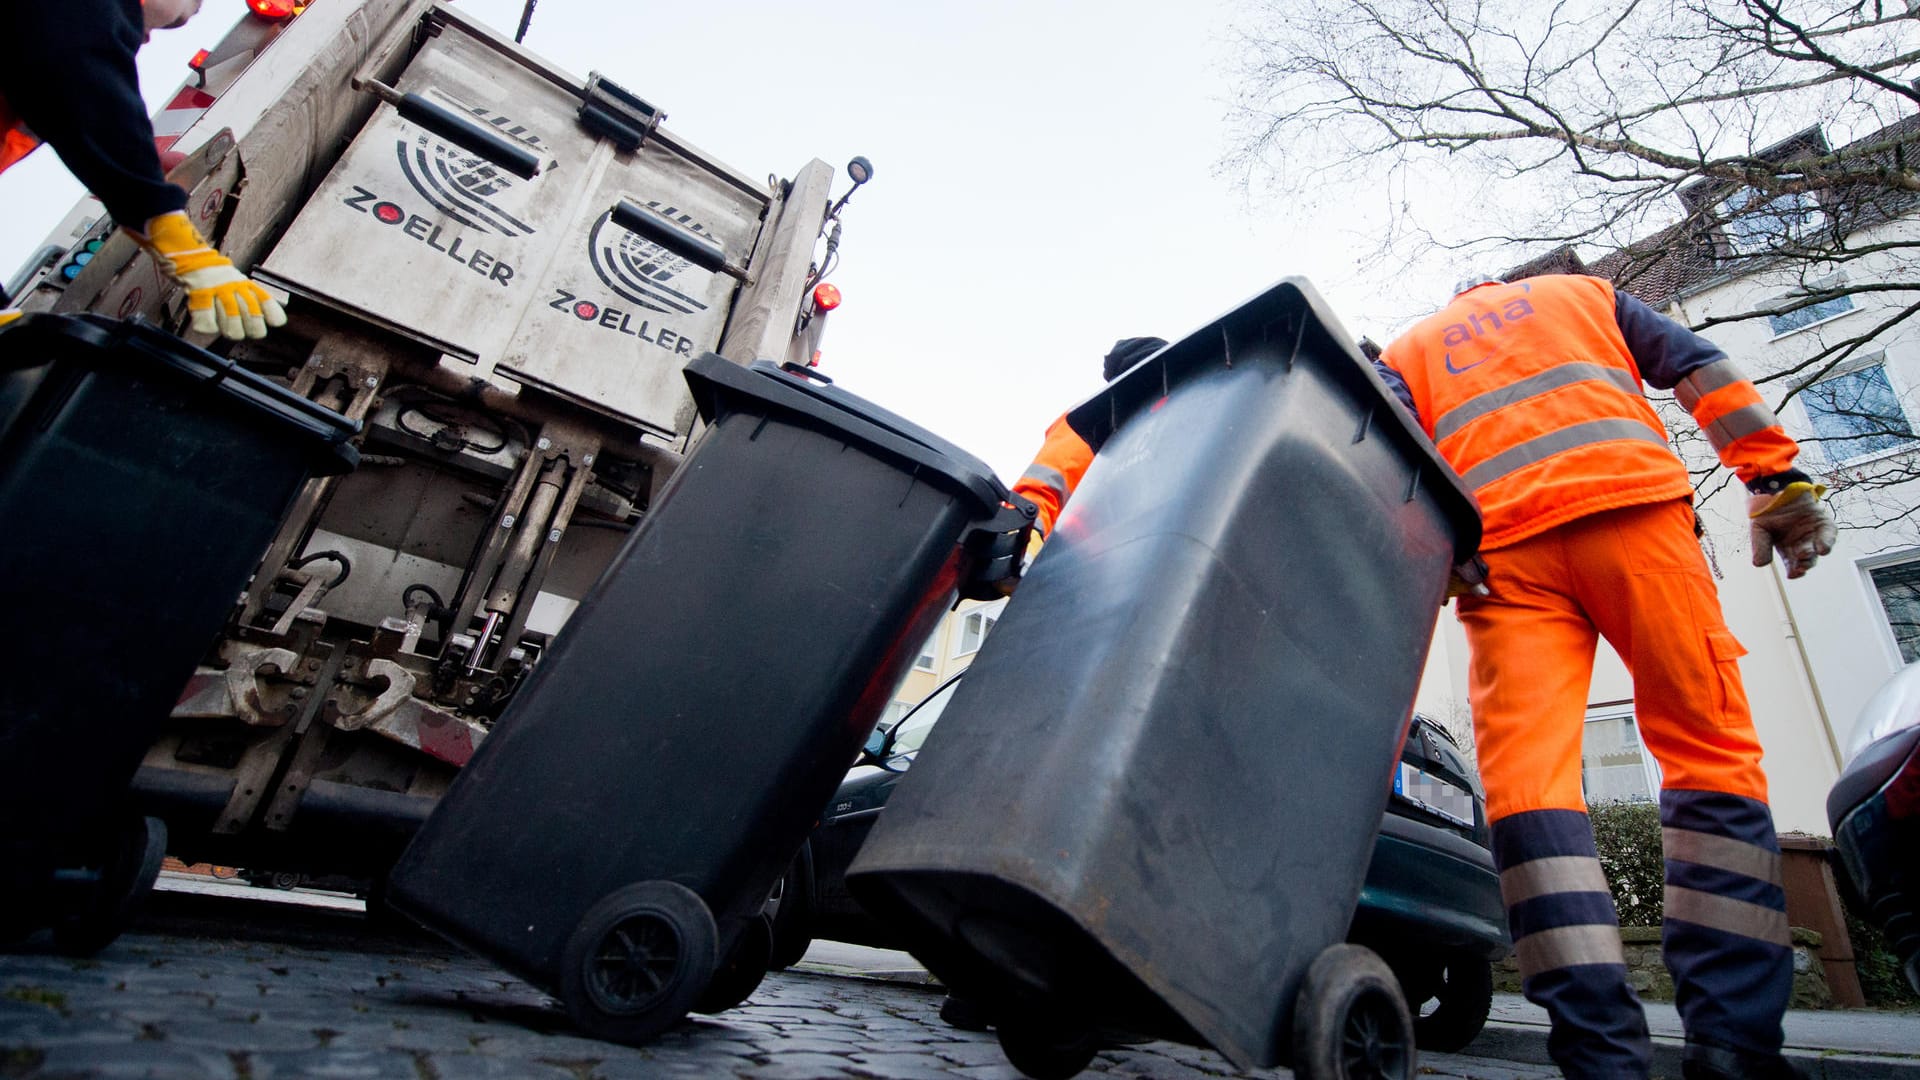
point(16, 141)
point(1531, 393)
point(1055, 472)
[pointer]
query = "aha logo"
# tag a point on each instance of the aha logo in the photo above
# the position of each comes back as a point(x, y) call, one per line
point(640, 271)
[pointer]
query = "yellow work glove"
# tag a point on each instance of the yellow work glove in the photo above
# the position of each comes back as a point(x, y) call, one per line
point(1793, 522)
point(220, 299)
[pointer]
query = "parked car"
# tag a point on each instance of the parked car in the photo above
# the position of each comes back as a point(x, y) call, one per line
point(1431, 903)
point(1874, 809)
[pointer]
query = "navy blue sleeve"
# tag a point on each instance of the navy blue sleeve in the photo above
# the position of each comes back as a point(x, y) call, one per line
point(1399, 387)
point(1664, 350)
point(70, 77)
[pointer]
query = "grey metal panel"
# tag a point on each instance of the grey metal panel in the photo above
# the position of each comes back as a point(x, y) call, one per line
point(433, 242)
point(427, 237)
point(618, 315)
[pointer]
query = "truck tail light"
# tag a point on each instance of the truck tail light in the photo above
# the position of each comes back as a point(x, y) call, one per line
point(826, 296)
point(275, 9)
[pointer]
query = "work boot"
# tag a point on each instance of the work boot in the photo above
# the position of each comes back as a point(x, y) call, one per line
point(1704, 1061)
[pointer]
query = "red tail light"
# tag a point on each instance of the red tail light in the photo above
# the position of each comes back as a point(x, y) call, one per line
point(275, 9)
point(199, 60)
point(826, 296)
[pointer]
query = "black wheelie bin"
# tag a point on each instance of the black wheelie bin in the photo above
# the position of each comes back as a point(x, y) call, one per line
point(1151, 804)
point(141, 480)
point(615, 838)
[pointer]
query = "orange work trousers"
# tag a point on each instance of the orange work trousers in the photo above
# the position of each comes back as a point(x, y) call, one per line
point(1637, 577)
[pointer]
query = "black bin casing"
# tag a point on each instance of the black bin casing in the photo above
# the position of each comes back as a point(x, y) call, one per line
point(1152, 801)
point(700, 706)
point(141, 480)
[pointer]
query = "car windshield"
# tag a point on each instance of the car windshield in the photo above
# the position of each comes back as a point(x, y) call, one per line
point(913, 730)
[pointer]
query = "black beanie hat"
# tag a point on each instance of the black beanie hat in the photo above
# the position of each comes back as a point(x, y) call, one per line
point(1128, 352)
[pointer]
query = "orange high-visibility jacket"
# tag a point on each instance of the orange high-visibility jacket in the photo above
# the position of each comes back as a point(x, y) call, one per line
point(1055, 472)
point(1533, 392)
point(16, 141)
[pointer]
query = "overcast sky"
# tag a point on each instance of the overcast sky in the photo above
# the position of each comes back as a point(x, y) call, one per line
point(1045, 180)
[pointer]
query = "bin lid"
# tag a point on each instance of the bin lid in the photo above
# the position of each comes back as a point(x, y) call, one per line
point(1289, 318)
point(138, 347)
point(713, 379)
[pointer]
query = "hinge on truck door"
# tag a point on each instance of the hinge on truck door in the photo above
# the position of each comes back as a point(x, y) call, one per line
point(615, 113)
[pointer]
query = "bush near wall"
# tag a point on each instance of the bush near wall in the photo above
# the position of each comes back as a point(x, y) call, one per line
point(1627, 835)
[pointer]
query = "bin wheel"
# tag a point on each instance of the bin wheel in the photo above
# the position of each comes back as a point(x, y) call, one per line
point(1350, 1021)
point(129, 864)
point(637, 961)
point(1047, 1047)
point(1456, 1008)
point(791, 910)
point(739, 975)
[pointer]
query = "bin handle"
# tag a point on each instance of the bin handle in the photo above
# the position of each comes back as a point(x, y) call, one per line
point(456, 129)
point(805, 372)
point(691, 246)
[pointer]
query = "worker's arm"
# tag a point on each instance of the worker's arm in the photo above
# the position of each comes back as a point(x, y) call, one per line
point(1744, 432)
point(70, 77)
point(1389, 375)
point(1055, 472)
point(1783, 503)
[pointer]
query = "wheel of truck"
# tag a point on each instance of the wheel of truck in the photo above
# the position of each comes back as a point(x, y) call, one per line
point(1350, 1021)
point(1460, 995)
point(1047, 1047)
point(128, 864)
point(739, 975)
point(790, 909)
point(637, 961)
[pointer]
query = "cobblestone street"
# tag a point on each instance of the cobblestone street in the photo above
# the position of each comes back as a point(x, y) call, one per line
point(200, 1004)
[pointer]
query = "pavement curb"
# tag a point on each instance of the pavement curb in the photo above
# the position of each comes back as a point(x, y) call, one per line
point(914, 978)
point(1527, 1044)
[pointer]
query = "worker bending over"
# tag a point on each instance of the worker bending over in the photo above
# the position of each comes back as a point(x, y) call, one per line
point(71, 82)
point(1064, 456)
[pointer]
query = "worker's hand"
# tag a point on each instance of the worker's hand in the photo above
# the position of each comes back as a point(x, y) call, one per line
point(1793, 522)
point(1035, 541)
point(1468, 579)
point(220, 299)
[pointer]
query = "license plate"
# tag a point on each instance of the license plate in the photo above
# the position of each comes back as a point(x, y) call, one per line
point(1434, 795)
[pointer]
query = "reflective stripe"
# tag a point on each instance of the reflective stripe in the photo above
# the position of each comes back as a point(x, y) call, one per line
point(1558, 874)
point(1545, 446)
point(1551, 379)
point(1721, 853)
point(1740, 423)
point(1726, 914)
point(1702, 381)
point(1050, 477)
point(1568, 946)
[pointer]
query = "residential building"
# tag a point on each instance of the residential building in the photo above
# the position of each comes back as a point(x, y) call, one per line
point(947, 652)
point(1842, 369)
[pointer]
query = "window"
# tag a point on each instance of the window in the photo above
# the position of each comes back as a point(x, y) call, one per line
point(1754, 228)
point(1614, 766)
point(975, 628)
point(1801, 318)
point(1856, 413)
point(928, 658)
point(1898, 586)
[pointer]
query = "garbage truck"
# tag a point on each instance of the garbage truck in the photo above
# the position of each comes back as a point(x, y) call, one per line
point(500, 270)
